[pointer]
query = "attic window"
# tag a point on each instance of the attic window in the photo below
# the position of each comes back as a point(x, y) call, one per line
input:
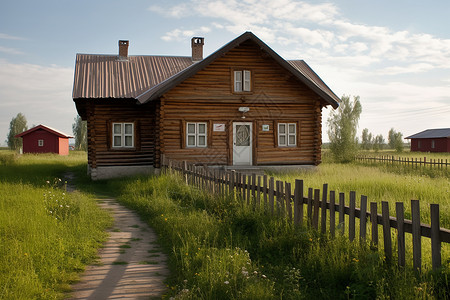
point(242, 81)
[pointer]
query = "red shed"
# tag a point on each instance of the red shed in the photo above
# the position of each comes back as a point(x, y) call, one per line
point(43, 139)
point(431, 140)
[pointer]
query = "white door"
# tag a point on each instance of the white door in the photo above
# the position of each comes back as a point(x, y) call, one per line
point(242, 143)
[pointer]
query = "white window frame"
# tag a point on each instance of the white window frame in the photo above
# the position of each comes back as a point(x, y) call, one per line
point(40, 143)
point(197, 134)
point(287, 135)
point(242, 81)
point(122, 135)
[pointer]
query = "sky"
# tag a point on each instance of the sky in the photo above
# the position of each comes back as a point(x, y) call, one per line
point(394, 55)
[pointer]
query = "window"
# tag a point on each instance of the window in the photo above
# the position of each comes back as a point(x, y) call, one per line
point(432, 144)
point(196, 134)
point(242, 81)
point(123, 135)
point(418, 144)
point(41, 143)
point(287, 134)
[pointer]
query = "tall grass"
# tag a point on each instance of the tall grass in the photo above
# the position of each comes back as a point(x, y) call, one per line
point(47, 235)
point(221, 249)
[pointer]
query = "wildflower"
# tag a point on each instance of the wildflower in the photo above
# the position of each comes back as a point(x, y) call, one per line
point(48, 181)
point(255, 272)
point(25, 254)
point(186, 253)
point(165, 219)
point(227, 282)
point(264, 276)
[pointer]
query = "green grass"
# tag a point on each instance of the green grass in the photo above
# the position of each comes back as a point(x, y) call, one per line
point(47, 235)
point(221, 249)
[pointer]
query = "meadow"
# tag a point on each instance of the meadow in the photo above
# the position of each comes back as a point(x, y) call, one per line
point(220, 248)
point(47, 235)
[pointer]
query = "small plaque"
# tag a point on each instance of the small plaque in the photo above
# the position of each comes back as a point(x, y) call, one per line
point(265, 127)
point(219, 127)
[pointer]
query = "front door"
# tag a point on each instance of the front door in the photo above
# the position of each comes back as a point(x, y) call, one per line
point(242, 143)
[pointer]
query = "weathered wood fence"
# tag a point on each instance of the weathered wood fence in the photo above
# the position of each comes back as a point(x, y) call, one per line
point(299, 206)
point(409, 161)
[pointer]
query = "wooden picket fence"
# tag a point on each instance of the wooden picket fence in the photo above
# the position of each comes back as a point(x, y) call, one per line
point(277, 198)
point(406, 161)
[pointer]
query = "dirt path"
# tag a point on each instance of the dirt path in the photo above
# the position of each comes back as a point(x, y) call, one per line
point(131, 264)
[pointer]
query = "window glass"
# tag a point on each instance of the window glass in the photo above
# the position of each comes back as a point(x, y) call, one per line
point(281, 128)
point(201, 140)
point(247, 82)
point(117, 128)
point(117, 141)
point(128, 141)
point(128, 128)
point(201, 128)
point(282, 140)
point(191, 128)
point(191, 140)
point(291, 139)
point(291, 128)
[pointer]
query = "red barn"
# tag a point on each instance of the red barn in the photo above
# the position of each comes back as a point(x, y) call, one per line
point(43, 139)
point(431, 140)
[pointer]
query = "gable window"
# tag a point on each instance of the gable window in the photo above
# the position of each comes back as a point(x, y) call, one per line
point(242, 81)
point(196, 134)
point(40, 143)
point(287, 134)
point(123, 135)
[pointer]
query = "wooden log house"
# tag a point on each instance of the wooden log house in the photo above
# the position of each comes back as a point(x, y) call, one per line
point(242, 105)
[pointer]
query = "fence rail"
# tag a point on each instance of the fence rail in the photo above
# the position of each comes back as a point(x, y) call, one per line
point(415, 162)
point(277, 198)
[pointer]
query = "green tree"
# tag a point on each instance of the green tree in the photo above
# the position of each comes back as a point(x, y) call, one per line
point(366, 139)
point(342, 127)
point(395, 140)
point(378, 143)
point(17, 125)
point(79, 129)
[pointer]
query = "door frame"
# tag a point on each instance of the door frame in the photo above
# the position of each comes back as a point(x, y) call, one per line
point(233, 131)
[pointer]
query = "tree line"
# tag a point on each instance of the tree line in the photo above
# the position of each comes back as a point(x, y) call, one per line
point(342, 132)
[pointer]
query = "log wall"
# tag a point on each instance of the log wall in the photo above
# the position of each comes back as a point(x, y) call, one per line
point(277, 96)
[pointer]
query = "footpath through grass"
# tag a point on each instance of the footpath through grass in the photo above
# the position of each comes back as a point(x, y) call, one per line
point(47, 236)
point(221, 249)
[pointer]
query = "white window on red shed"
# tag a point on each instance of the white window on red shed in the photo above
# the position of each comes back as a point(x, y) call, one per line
point(433, 145)
point(123, 135)
point(40, 143)
point(418, 144)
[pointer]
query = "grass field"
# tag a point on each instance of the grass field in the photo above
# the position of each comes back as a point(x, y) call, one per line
point(47, 235)
point(221, 249)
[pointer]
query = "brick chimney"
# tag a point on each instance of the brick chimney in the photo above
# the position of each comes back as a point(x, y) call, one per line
point(123, 49)
point(197, 48)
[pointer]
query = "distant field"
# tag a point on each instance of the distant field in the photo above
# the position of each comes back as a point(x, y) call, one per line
point(47, 235)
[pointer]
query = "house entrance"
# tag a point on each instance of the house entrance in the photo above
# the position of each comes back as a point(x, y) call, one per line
point(242, 143)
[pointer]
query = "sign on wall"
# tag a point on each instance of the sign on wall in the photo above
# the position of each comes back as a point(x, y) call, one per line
point(265, 127)
point(219, 127)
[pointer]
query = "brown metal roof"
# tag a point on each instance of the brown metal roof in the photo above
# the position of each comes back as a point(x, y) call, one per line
point(301, 70)
point(146, 78)
point(105, 76)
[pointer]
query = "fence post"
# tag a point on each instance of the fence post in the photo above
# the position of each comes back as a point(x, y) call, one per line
point(254, 189)
point(258, 193)
point(400, 213)
point(248, 186)
point(435, 240)
point(332, 214)
point(323, 223)
point(271, 194)
point(298, 202)
point(363, 219)
point(374, 220)
point(386, 231)
point(316, 209)
point(288, 200)
point(310, 206)
point(417, 244)
point(342, 212)
point(265, 191)
point(351, 216)
point(244, 187)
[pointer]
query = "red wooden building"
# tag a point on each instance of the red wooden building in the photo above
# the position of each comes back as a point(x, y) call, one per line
point(43, 139)
point(431, 140)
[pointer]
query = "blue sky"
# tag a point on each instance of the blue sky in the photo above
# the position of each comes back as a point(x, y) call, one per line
point(394, 54)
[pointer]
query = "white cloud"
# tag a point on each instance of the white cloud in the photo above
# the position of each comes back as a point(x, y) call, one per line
point(9, 37)
point(10, 50)
point(41, 93)
point(182, 34)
